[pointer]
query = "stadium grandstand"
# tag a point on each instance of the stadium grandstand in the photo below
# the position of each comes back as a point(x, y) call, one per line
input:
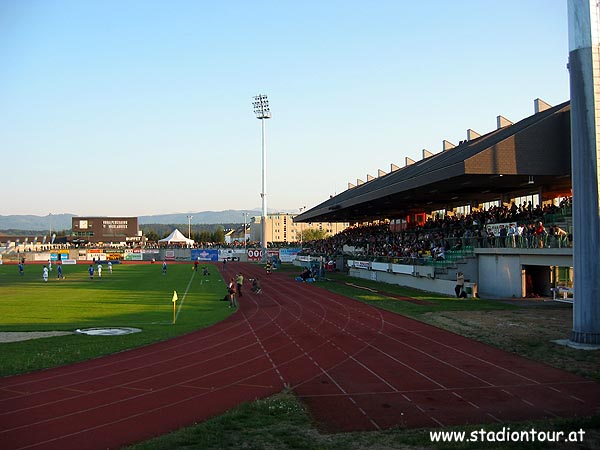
point(465, 199)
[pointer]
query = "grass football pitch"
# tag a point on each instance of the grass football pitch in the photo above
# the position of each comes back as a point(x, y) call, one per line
point(133, 295)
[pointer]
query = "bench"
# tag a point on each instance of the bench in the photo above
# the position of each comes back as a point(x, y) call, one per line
point(562, 291)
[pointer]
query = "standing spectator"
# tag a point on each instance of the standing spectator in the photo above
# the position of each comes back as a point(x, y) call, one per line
point(512, 232)
point(540, 232)
point(239, 282)
point(521, 233)
point(560, 235)
point(491, 237)
point(460, 285)
point(231, 290)
point(503, 233)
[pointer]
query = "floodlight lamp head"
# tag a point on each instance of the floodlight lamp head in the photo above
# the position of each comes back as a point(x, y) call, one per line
point(261, 107)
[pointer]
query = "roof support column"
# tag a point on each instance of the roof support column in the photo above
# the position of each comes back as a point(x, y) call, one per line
point(584, 68)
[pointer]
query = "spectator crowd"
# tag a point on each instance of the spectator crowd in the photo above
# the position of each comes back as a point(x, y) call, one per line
point(503, 226)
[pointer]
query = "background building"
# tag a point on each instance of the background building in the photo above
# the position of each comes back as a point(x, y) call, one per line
point(281, 227)
point(121, 230)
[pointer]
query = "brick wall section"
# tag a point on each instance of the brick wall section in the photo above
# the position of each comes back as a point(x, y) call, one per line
point(542, 149)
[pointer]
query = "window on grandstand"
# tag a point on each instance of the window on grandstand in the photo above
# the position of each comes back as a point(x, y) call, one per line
point(558, 201)
point(534, 199)
point(463, 210)
point(439, 214)
point(487, 205)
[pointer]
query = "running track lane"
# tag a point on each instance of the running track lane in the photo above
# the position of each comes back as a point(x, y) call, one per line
point(356, 367)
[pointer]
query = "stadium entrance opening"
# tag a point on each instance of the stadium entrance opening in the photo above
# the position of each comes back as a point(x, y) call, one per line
point(537, 281)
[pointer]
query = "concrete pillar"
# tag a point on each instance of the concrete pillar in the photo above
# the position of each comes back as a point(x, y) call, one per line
point(584, 72)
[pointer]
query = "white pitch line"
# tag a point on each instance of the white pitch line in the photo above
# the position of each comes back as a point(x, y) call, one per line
point(184, 295)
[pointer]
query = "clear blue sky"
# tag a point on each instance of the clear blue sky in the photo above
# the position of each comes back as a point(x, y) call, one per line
point(145, 107)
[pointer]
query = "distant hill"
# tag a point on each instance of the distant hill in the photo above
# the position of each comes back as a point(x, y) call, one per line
point(36, 223)
point(203, 217)
point(63, 221)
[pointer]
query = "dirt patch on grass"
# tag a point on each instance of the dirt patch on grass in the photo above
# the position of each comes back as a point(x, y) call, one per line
point(529, 332)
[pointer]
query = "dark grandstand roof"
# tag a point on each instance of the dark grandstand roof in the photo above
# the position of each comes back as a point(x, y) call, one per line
point(530, 156)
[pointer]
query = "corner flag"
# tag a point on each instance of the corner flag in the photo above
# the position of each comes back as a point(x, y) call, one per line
point(174, 300)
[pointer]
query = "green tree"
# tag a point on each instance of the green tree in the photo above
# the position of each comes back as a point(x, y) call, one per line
point(152, 236)
point(313, 234)
point(219, 235)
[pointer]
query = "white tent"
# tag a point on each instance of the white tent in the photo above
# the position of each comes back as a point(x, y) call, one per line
point(176, 237)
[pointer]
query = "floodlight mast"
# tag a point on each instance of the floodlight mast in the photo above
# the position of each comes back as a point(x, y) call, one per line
point(189, 218)
point(262, 111)
point(245, 214)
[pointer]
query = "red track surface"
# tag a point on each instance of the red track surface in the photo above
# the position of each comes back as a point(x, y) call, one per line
point(356, 367)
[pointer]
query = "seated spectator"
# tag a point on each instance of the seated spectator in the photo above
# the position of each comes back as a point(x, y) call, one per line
point(307, 273)
point(441, 254)
point(458, 245)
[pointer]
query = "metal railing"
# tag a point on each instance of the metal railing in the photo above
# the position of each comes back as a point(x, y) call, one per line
point(463, 248)
point(528, 241)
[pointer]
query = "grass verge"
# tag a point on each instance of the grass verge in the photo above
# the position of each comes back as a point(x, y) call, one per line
point(281, 422)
